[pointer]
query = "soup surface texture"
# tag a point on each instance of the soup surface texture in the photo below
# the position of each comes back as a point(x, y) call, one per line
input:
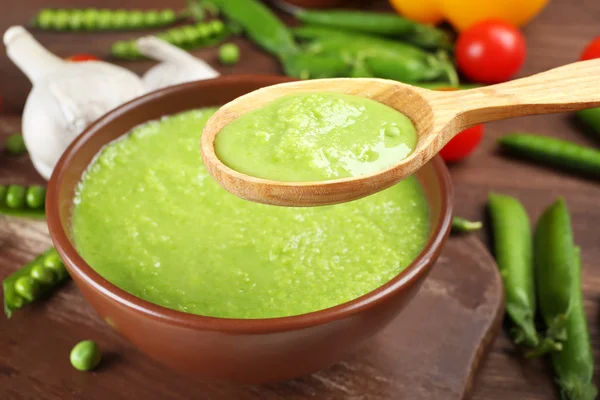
point(149, 218)
point(316, 136)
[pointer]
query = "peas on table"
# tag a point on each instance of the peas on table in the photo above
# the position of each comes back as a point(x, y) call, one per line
point(229, 53)
point(15, 144)
point(85, 356)
point(15, 196)
point(34, 280)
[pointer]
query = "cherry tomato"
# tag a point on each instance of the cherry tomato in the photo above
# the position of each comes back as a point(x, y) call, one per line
point(592, 50)
point(490, 51)
point(462, 144)
point(82, 57)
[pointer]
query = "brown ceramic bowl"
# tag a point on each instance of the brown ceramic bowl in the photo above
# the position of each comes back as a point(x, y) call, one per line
point(249, 351)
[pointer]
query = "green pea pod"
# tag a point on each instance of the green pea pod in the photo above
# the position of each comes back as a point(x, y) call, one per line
point(590, 117)
point(308, 66)
point(260, 24)
point(16, 201)
point(405, 70)
point(33, 280)
point(445, 85)
point(553, 152)
point(92, 19)
point(513, 252)
point(360, 69)
point(462, 225)
point(554, 266)
point(574, 365)
point(187, 37)
point(385, 24)
point(329, 40)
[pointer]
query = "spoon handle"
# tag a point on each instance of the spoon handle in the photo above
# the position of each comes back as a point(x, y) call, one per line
point(568, 88)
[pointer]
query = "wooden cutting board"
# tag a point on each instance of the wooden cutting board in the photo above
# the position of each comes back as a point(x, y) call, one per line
point(431, 351)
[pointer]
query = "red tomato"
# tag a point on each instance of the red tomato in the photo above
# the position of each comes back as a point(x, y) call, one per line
point(462, 144)
point(82, 57)
point(592, 50)
point(490, 51)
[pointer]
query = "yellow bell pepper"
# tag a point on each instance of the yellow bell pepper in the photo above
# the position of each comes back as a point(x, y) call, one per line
point(425, 11)
point(464, 13)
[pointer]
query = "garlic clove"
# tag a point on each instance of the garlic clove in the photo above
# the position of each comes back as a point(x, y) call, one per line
point(177, 66)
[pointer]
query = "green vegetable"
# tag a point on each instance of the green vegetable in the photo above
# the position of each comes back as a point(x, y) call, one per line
point(308, 66)
point(554, 152)
point(103, 19)
point(36, 196)
point(187, 37)
point(260, 24)
point(85, 356)
point(574, 365)
point(513, 252)
point(386, 24)
point(229, 53)
point(15, 196)
point(22, 201)
point(15, 144)
point(460, 225)
point(444, 85)
point(33, 281)
point(590, 117)
point(554, 269)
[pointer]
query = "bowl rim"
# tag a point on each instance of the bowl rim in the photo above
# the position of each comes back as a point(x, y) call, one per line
point(76, 265)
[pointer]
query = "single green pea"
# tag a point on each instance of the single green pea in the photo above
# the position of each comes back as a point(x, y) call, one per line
point(151, 18)
point(45, 18)
point(203, 30)
point(104, 19)
point(42, 274)
point(3, 191)
point(89, 18)
point(53, 262)
point(27, 287)
point(18, 301)
point(119, 19)
point(216, 26)
point(60, 20)
point(15, 144)
point(229, 53)
point(36, 196)
point(85, 355)
point(176, 37)
point(136, 19)
point(15, 196)
point(166, 16)
point(76, 19)
point(190, 33)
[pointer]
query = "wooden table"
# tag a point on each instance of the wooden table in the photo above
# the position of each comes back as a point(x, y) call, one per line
point(556, 37)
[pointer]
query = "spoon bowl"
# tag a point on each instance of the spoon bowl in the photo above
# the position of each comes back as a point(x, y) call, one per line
point(437, 115)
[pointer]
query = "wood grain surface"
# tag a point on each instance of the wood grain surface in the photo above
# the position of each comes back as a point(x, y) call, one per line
point(555, 38)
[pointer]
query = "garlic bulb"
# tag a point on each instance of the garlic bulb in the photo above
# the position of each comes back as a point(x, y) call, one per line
point(177, 66)
point(66, 96)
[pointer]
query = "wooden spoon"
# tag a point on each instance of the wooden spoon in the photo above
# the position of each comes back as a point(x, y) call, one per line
point(437, 115)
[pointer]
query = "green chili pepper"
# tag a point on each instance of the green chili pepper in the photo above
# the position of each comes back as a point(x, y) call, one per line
point(32, 281)
point(85, 356)
point(260, 24)
point(187, 37)
point(308, 66)
point(21, 201)
point(386, 24)
point(554, 266)
point(104, 19)
point(513, 252)
point(462, 225)
point(229, 54)
point(554, 152)
point(590, 117)
point(15, 144)
point(574, 365)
